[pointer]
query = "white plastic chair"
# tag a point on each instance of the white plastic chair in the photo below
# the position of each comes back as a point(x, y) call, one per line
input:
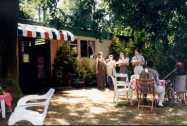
point(3, 109)
point(35, 99)
point(121, 87)
point(22, 113)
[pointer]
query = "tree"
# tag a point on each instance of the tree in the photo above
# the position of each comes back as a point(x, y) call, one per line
point(81, 15)
point(116, 48)
point(31, 9)
point(154, 24)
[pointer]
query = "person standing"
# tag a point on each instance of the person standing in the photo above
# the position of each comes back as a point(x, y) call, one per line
point(138, 61)
point(100, 71)
point(110, 70)
point(123, 62)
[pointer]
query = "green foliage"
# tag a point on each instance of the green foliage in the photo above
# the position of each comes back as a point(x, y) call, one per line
point(82, 15)
point(12, 86)
point(181, 42)
point(64, 63)
point(116, 47)
point(30, 9)
point(27, 9)
point(156, 26)
point(84, 68)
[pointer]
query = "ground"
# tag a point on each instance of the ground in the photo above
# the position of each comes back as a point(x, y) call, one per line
point(92, 106)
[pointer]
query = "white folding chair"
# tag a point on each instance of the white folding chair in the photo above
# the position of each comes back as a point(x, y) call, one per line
point(121, 86)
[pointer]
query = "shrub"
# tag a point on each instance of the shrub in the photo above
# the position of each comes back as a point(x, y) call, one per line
point(86, 71)
point(11, 86)
point(65, 63)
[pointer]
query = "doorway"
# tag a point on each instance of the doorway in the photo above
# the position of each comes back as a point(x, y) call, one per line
point(34, 64)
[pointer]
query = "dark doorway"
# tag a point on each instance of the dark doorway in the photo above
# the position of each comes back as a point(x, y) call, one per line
point(34, 64)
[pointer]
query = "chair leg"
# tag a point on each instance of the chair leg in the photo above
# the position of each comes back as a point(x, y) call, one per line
point(153, 100)
point(139, 98)
point(114, 97)
point(117, 99)
point(3, 109)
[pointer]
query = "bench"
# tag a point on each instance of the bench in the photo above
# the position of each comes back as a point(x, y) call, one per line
point(23, 111)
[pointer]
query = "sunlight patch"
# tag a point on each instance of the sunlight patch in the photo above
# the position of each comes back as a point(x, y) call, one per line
point(52, 112)
point(74, 114)
point(139, 116)
point(97, 110)
point(62, 121)
point(184, 122)
point(170, 109)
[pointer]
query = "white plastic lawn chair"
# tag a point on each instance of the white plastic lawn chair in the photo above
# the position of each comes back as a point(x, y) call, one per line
point(22, 113)
point(121, 87)
point(3, 109)
point(35, 99)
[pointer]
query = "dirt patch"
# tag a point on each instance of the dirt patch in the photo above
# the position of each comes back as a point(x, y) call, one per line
point(92, 106)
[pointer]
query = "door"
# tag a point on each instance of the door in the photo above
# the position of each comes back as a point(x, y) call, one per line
point(34, 65)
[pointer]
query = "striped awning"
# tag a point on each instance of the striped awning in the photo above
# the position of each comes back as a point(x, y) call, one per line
point(34, 31)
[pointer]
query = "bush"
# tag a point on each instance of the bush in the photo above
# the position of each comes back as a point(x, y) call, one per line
point(68, 70)
point(65, 63)
point(86, 71)
point(11, 86)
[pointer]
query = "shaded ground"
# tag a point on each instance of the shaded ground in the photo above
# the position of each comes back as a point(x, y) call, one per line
point(92, 106)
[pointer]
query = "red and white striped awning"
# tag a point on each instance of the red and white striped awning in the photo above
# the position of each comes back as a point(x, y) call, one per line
point(34, 31)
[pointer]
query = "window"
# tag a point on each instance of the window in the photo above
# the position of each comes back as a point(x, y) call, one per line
point(74, 46)
point(87, 48)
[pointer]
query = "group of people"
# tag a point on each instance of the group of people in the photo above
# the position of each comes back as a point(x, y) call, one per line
point(106, 68)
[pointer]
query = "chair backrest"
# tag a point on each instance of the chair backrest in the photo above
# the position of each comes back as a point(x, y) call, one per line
point(145, 86)
point(122, 80)
point(50, 93)
point(121, 76)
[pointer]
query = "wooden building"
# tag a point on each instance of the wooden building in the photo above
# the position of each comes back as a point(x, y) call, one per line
point(36, 51)
point(87, 44)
